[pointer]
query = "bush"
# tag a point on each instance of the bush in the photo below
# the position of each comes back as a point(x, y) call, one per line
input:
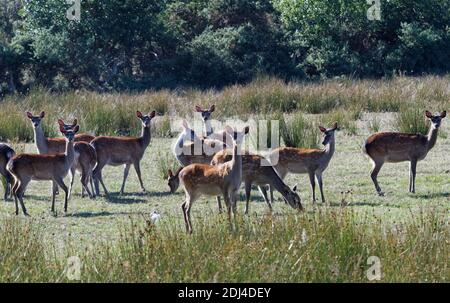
point(296, 131)
point(412, 120)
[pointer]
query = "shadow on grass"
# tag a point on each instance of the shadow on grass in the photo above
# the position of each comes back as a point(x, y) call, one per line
point(86, 214)
point(431, 195)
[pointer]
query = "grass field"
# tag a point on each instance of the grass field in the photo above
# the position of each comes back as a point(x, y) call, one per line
point(408, 232)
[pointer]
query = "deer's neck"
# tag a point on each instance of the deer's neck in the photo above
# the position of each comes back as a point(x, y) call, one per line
point(278, 183)
point(432, 137)
point(70, 153)
point(236, 163)
point(207, 127)
point(329, 148)
point(40, 140)
point(178, 146)
point(145, 136)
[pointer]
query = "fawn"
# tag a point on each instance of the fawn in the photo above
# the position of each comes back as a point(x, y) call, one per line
point(54, 167)
point(125, 151)
point(394, 147)
point(253, 172)
point(6, 153)
point(303, 160)
point(198, 151)
point(223, 179)
point(85, 156)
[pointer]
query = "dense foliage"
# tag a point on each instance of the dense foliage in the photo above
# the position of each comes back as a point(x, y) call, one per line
point(139, 44)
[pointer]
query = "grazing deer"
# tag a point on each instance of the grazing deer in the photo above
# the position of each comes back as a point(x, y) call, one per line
point(6, 153)
point(310, 161)
point(54, 167)
point(85, 156)
point(125, 151)
point(203, 179)
point(253, 172)
point(207, 127)
point(398, 147)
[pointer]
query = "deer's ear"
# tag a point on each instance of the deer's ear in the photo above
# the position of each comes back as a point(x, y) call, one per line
point(61, 123)
point(246, 129)
point(62, 129)
point(185, 124)
point(322, 129)
point(76, 129)
point(138, 114)
point(29, 115)
point(152, 114)
point(444, 114)
point(170, 173)
point(428, 114)
point(335, 126)
point(212, 108)
point(42, 115)
point(198, 109)
point(75, 122)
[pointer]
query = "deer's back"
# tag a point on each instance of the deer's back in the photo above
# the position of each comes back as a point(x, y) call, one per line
point(395, 147)
point(117, 150)
point(6, 153)
point(298, 160)
point(39, 167)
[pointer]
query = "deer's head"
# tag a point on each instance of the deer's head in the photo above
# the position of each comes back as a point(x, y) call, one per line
point(146, 119)
point(237, 137)
point(70, 133)
point(36, 120)
point(293, 199)
point(436, 119)
point(328, 133)
point(173, 181)
point(206, 113)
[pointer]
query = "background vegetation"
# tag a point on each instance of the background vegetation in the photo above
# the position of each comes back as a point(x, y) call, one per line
point(139, 44)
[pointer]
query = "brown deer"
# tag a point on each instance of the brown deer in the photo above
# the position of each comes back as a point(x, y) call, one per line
point(394, 147)
point(254, 172)
point(207, 127)
point(125, 151)
point(6, 153)
point(54, 167)
point(306, 161)
point(203, 179)
point(85, 156)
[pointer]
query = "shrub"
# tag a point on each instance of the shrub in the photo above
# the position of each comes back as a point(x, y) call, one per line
point(296, 131)
point(412, 120)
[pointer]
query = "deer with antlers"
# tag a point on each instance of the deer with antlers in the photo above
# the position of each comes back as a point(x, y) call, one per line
point(6, 153)
point(394, 147)
point(85, 155)
point(254, 171)
point(43, 167)
point(306, 161)
point(224, 179)
point(125, 151)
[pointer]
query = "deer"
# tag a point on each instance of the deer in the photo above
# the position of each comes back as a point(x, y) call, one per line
point(394, 147)
point(306, 161)
point(254, 172)
point(207, 127)
point(125, 151)
point(6, 153)
point(205, 179)
point(85, 155)
point(43, 167)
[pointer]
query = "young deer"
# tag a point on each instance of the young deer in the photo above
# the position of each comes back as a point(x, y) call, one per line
point(125, 151)
point(224, 179)
point(310, 161)
point(398, 147)
point(207, 127)
point(253, 172)
point(85, 156)
point(27, 167)
point(6, 153)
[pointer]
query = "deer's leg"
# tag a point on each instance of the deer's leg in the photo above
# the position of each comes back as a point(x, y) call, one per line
point(125, 176)
point(412, 179)
point(271, 194)
point(14, 191)
point(226, 198)
point(374, 174)
point(54, 189)
point(66, 191)
point(319, 181)
point(97, 173)
point(183, 208)
point(187, 212)
point(72, 177)
point(219, 204)
point(248, 189)
point(263, 191)
point(312, 181)
point(137, 168)
point(20, 190)
point(84, 183)
point(92, 184)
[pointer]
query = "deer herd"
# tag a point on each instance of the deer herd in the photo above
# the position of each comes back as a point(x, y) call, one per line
point(212, 164)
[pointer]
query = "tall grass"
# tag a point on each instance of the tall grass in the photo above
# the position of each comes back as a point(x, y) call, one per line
point(328, 245)
point(412, 120)
point(165, 161)
point(297, 131)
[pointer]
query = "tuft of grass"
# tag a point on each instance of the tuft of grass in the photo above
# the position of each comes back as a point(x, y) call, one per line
point(165, 161)
point(296, 131)
point(411, 120)
point(344, 118)
point(161, 127)
point(375, 125)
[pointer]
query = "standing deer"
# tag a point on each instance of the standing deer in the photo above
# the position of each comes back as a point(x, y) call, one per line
point(207, 127)
point(85, 156)
point(254, 172)
point(306, 161)
point(125, 151)
point(6, 153)
point(224, 179)
point(54, 167)
point(398, 147)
